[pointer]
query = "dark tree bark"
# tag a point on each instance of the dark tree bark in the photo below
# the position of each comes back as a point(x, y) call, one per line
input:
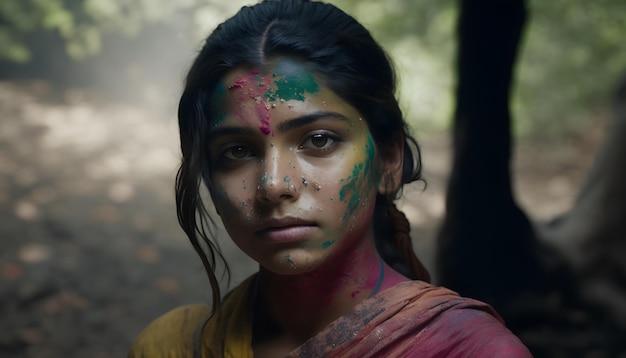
point(486, 247)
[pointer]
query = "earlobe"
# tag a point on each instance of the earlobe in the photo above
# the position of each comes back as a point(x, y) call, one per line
point(392, 160)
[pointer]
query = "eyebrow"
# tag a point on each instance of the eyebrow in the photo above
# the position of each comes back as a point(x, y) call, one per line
point(282, 127)
point(307, 119)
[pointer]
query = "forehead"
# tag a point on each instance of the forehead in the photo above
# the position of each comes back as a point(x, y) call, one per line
point(283, 79)
point(283, 88)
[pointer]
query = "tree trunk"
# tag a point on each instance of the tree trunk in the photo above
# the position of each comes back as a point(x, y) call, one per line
point(486, 247)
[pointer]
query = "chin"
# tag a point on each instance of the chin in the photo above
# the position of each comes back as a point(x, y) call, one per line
point(295, 263)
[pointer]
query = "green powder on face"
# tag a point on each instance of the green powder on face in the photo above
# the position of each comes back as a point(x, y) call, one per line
point(370, 148)
point(350, 192)
point(265, 178)
point(291, 81)
point(217, 103)
point(327, 244)
point(359, 182)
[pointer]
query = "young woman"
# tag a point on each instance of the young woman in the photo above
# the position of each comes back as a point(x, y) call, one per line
point(289, 119)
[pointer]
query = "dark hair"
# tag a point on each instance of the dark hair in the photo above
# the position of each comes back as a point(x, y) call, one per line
point(344, 55)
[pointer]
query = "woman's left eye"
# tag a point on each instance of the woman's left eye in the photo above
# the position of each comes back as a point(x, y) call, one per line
point(319, 142)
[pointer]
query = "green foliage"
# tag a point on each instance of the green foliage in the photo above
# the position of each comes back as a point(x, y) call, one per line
point(419, 36)
point(17, 18)
point(82, 24)
point(22, 18)
point(574, 53)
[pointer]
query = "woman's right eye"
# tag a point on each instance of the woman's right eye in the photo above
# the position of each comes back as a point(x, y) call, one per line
point(237, 152)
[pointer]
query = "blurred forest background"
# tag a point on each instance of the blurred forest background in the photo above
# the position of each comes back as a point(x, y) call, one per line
point(90, 250)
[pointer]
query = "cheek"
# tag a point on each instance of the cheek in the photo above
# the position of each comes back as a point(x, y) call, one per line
point(359, 187)
point(233, 198)
point(356, 189)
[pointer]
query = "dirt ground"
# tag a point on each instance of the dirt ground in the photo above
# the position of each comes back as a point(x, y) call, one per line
point(90, 249)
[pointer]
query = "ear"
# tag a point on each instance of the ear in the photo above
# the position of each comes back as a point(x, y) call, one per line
point(392, 160)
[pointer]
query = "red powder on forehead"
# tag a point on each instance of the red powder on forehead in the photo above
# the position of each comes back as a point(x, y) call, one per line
point(238, 83)
point(254, 87)
point(264, 115)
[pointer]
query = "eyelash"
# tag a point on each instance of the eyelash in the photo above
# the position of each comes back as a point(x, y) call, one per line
point(224, 154)
point(331, 140)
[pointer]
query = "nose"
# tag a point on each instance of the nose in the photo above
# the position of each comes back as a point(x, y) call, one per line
point(278, 179)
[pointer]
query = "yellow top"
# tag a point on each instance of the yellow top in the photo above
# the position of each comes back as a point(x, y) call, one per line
point(177, 333)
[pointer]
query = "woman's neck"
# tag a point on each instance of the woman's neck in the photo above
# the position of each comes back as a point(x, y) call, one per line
point(302, 305)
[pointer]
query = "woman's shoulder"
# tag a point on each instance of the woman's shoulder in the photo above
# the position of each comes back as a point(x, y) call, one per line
point(451, 325)
point(478, 332)
point(171, 334)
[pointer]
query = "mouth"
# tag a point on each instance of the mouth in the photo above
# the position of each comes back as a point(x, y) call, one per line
point(286, 229)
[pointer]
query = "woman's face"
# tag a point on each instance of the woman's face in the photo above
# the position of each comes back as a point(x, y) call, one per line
point(294, 169)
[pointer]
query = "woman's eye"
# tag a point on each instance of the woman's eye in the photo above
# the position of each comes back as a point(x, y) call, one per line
point(237, 152)
point(320, 142)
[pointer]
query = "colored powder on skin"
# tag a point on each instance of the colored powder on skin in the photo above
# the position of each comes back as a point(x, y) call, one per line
point(219, 94)
point(291, 81)
point(264, 115)
point(239, 82)
point(265, 178)
point(370, 148)
point(327, 244)
point(290, 261)
point(288, 181)
point(359, 182)
point(316, 186)
point(355, 183)
point(255, 86)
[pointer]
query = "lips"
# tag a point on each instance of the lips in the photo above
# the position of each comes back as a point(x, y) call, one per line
point(286, 229)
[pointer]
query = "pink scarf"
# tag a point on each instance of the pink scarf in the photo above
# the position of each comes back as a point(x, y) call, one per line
point(415, 319)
